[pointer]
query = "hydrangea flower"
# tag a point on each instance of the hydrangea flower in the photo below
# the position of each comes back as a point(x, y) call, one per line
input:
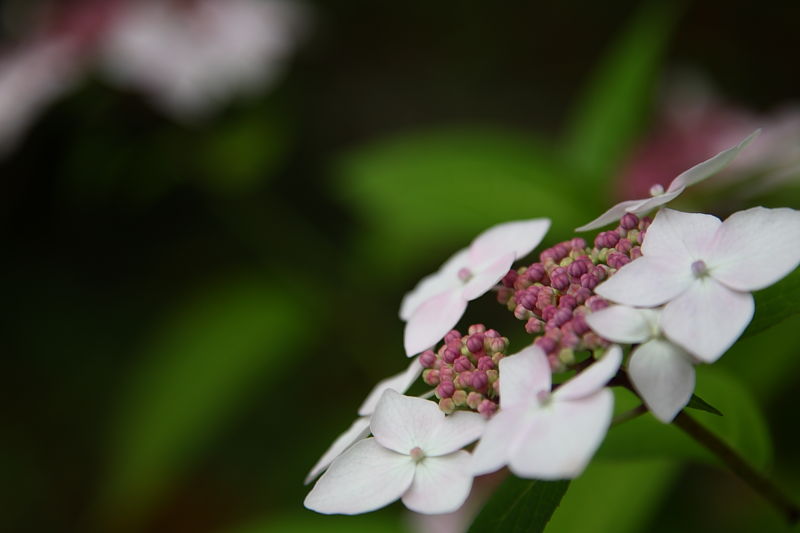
point(359, 429)
point(704, 270)
point(437, 303)
point(415, 455)
point(661, 197)
point(543, 433)
point(661, 371)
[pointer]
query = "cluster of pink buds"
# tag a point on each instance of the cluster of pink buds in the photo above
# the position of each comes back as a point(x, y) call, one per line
point(554, 294)
point(464, 370)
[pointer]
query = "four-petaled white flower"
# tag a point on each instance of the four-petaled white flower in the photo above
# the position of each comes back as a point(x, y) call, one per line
point(415, 455)
point(704, 270)
point(437, 303)
point(543, 434)
point(661, 197)
point(661, 371)
point(359, 429)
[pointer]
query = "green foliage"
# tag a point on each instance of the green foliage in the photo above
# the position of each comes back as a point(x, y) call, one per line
point(776, 303)
point(614, 497)
point(307, 522)
point(743, 427)
point(520, 506)
point(196, 372)
point(696, 402)
point(612, 109)
point(417, 191)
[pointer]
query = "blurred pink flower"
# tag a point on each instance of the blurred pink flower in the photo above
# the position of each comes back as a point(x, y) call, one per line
point(192, 57)
point(693, 123)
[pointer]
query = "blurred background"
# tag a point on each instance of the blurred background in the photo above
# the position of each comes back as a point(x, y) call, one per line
point(212, 208)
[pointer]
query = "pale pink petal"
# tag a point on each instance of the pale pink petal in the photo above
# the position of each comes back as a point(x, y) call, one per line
point(399, 382)
point(489, 275)
point(612, 215)
point(432, 320)
point(591, 379)
point(620, 323)
point(444, 279)
point(647, 282)
point(491, 453)
point(441, 484)
point(563, 438)
point(755, 248)
point(357, 431)
point(523, 376)
point(663, 375)
point(457, 430)
point(656, 201)
point(711, 166)
point(518, 238)
point(707, 319)
point(402, 423)
point(680, 237)
point(364, 478)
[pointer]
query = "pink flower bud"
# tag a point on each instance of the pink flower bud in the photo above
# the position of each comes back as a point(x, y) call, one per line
point(447, 405)
point(445, 389)
point(446, 373)
point(596, 303)
point(606, 239)
point(485, 363)
point(526, 299)
point(535, 273)
point(582, 294)
point(452, 336)
point(589, 281)
point(636, 252)
point(534, 325)
point(430, 377)
point(559, 281)
point(577, 243)
point(579, 325)
point(629, 221)
point(567, 301)
point(479, 380)
point(476, 328)
point(623, 246)
point(474, 400)
point(450, 355)
point(475, 343)
point(549, 312)
point(577, 269)
point(546, 343)
point(487, 408)
point(462, 364)
point(427, 359)
point(509, 279)
point(460, 398)
point(561, 316)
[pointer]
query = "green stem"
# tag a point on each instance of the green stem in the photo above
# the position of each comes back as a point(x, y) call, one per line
point(629, 415)
point(757, 481)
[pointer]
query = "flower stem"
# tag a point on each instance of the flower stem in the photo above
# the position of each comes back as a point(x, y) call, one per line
point(629, 415)
point(757, 481)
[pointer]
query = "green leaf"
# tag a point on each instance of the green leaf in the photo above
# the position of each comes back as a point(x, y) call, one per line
point(520, 506)
point(207, 357)
point(614, 497)
point(696, 402)
point(775, 304)
point(417, 192)
point(743, 427)
point(609, 114)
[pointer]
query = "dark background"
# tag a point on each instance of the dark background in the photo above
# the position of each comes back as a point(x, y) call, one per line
point(193, 312)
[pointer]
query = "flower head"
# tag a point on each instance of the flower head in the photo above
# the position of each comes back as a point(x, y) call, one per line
point(437, 303)
point(661, 371)
point(544, 434)
point(415, 455)
point(704, 269)
point(660, 197)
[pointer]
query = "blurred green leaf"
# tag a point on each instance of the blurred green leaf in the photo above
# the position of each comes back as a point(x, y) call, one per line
point(775, 304)
point(611, 110)
point(696, 402)
point(307, 522)
point(614, 497)
point(194, 374)
point(520, 506)
point(421, 190)
point(743, 427)
point(241, 152)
